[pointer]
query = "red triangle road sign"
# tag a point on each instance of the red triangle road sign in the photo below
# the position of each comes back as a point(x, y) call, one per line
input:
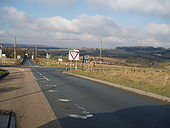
point(74, 55)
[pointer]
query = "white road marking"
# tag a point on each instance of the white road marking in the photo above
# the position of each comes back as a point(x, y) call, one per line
point(89, 115)
point(29, 63)
point(39, 73)
point(21, 69)
point(85, 112)
point(64, 100)
point(39, 78)
point(45, 78)
point(51, 91)
point(85, 115)
point(80, 117)
point(82, 108)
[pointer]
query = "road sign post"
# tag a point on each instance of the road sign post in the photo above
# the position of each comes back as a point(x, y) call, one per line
point(74, 55)
point(48, 57)
point(0, 51)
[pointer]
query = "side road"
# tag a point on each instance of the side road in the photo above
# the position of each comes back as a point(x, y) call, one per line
point(138, 91)
point(20, 93)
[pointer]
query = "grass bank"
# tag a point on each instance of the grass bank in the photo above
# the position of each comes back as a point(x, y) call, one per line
point(3, 73)
point(8, 61)
point(151, 80)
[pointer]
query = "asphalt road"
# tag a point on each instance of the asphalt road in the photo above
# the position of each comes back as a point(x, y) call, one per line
point(80, 103)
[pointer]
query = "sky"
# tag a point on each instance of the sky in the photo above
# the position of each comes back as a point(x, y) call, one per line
point(82, 23)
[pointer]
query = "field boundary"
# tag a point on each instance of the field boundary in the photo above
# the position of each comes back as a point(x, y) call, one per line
point(138, 91)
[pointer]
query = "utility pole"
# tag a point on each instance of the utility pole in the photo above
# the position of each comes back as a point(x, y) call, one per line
point(36, 51)
point(101, 50)
point(15, 50)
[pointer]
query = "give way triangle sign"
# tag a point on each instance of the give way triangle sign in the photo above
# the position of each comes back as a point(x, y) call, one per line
point(74, 55)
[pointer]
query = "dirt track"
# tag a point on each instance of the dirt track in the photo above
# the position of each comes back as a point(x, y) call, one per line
point(19, 92)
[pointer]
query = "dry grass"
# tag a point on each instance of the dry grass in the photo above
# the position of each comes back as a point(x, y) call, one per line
point(145, 79)
point(55, 63)
point(8, 61)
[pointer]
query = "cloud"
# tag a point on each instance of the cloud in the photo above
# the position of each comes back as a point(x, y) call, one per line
point(83, 30)
point(57, 3)
point(160, 7)
point(12, 13)
point(158, 29)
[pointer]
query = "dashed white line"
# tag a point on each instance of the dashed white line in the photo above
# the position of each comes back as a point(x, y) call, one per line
point(41, 75)
point(45, 78)
point(29, 63)
point(39, 78)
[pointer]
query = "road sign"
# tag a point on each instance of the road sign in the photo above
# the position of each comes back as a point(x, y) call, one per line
point(47, 56)
point(86, 58)
point(18, 57)
point(60, 59)
point(74, 55)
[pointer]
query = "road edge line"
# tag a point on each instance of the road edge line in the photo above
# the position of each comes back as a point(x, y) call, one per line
point(138, 91)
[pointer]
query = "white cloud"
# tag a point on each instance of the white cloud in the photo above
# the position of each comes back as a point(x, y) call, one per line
point(83, 30)
point(158, 29)
point(2, 32)
point(12, 13)
point(160, 7)
point(57, 3)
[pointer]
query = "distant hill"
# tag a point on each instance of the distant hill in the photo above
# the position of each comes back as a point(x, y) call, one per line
point(10, 45)
point(141, 48)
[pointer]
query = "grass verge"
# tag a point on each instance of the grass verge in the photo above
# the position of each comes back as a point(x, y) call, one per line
point(151, 81)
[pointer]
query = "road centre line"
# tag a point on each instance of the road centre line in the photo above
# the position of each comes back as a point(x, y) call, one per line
point(41, 74)
point(46, 78)
point(29, 63)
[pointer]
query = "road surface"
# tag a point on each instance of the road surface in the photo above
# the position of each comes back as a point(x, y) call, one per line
point(80, 103)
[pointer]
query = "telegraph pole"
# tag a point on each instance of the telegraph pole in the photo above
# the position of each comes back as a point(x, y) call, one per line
point(101, 50)
point(15, 50)
point(36, 51)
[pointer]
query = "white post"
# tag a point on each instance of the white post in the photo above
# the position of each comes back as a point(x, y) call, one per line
point(70, 64)
point(76, 65)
